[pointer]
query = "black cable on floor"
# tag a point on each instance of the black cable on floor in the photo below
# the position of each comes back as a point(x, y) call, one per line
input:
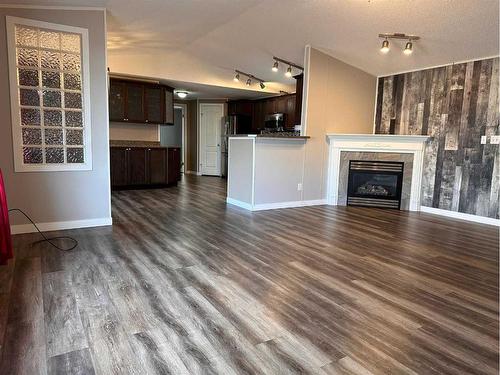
point(49, 240)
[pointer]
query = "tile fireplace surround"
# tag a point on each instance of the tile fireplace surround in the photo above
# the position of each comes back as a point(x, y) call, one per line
point(413, 145)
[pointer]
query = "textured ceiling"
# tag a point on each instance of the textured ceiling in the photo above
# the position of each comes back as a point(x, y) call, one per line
point(202, 41)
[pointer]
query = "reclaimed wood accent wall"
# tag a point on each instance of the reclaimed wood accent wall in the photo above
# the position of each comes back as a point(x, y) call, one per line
point(456, 105)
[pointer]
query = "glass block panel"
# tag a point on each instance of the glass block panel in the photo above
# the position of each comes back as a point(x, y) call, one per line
point(53, 136)
point(70, 42)
point(72, 100)
point(71, 62)
point(51, 98)
point(51, 79)
point(29, 97)
point(74, 155)
point(27, 57)
point(27, 77)
point(32, 136)
point(30, 116)
point(32, 155)
point(54, 155)
point(52, 117)
point(72, 81)
point(26, 36)
point(49, 39)
point(50, 60)
point(74, 137)
point(74, 118)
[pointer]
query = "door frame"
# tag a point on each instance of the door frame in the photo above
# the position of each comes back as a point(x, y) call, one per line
point(183, 108)
point(219, 156)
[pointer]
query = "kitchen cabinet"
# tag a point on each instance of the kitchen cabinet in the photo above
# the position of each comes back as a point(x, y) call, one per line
point(140, 102)
point(142, 167)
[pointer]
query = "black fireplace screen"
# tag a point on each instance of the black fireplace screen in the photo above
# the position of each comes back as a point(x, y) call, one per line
point(375, 183)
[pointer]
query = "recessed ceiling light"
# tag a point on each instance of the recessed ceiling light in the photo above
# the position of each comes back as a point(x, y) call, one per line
point(182, 94)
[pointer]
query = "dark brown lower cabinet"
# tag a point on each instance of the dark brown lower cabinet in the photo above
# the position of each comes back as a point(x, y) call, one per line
point(140, 167)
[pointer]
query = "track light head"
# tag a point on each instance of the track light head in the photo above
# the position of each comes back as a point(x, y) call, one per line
point(385, 46)
point(288, 73)
point(236, 77)
point(275, 66)
point(249, 82)
point(262, 86)
point(408, 48)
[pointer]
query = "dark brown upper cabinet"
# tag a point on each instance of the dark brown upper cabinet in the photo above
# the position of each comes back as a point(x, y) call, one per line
point(155, 105)
point(140, 102)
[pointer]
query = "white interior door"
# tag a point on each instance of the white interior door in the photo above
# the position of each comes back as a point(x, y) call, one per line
point(210, 128)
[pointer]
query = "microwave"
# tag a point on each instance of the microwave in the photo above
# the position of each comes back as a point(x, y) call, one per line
point(276, 121)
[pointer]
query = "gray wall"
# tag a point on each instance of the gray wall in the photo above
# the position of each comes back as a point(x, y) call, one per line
point(171, 135)
point(456, 105)
point(60, 196)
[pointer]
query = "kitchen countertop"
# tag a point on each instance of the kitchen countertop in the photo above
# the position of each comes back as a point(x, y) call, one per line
point(149, 144)
point(269, 136)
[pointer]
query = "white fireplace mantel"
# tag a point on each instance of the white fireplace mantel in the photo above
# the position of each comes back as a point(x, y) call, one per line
point(412, 144)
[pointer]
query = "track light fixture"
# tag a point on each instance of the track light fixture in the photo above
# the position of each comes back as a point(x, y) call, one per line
point(250, 77)
point(385, 46)
point(291, 65)
point(408, 50)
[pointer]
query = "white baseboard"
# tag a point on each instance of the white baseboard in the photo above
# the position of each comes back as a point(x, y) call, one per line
point(274, 206)
point(235, 202)
point(61, 225)
point(193, 172)
point(461, 215)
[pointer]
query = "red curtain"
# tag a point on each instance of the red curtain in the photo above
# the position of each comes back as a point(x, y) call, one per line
point(5, 238)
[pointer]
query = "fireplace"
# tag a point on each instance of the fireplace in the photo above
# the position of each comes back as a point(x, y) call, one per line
point(375, 183)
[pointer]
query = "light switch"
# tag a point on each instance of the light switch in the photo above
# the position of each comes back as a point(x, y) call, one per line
point(484, 139)
point(495, 139)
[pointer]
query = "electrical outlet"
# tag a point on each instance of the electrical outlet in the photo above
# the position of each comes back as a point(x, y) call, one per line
point(495, 139)
point(299, 186)
point(484, 139)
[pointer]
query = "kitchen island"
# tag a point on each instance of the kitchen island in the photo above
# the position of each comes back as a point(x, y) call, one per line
point(266, 171)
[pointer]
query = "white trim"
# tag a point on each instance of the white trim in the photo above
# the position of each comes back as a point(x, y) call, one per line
point(275, 206)
point(51, 7)
point(305, 90)
point(19, 166)
point(108, 161)
point(183, 107)
point(235, 202)
point(461, 215)
point(438, 66)
point(61, 225)
point(411, 144)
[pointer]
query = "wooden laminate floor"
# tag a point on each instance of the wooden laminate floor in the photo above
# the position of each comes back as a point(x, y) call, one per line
point(184, 284)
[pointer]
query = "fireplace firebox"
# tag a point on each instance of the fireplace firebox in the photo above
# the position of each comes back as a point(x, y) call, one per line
point(375, 183)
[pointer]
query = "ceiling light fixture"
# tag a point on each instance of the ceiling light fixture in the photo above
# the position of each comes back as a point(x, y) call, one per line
point(385, 46)
point(236, 77)
point(275, 66)
point(288, 73)
point(408, 50)
point(250, 78)
point(182, 94)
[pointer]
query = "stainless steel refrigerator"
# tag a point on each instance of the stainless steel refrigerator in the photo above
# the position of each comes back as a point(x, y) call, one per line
point(231, 125)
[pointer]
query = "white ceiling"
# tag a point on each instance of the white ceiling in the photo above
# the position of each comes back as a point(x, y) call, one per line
point(203, 41)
